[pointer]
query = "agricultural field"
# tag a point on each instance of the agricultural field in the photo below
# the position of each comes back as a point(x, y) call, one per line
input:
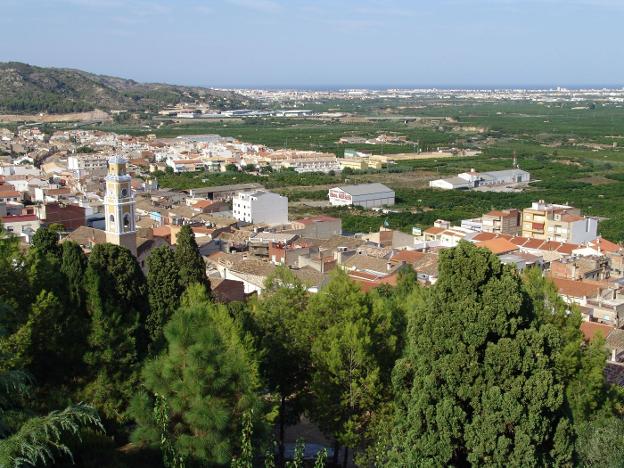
point(574, 152)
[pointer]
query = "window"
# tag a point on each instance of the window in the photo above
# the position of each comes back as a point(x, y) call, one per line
point(126, 222)
point(111, 218)
point(124, 192)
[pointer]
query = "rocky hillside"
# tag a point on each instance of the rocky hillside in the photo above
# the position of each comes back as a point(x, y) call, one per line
point(28, 89)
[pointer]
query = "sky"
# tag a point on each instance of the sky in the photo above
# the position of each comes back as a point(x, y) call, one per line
point(317, 43)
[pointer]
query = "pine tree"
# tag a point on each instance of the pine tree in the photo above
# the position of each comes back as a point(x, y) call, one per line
point(277, 317)
point(191, 266)
point(352, 340)
point(165, 291)
point(208, 379)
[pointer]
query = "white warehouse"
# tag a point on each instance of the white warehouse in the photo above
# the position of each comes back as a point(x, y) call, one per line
point(260, 207)
point(365, 195)
point(472, 179)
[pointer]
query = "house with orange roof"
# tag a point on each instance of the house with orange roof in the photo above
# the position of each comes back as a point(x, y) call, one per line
point(498, 246)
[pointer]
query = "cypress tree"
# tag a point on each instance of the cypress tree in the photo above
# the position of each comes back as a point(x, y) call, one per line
point(116, 296)
point(165, 291)
point(73, 267)
point(191, 266)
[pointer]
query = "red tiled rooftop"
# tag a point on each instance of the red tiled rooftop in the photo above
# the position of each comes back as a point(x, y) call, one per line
point(161, 231)
point(533, 244)
point(408, 256)
point(498, 246)
point(592, 329)
point(484, 236)
point(574, 288)
point(434, 230)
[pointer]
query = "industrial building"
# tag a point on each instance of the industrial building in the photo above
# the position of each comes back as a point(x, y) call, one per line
point(473, 179)
point(364, 195)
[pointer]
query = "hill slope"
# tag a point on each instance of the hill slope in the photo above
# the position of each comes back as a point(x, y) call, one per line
point(26, 89)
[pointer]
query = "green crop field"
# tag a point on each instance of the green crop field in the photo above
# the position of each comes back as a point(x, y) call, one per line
point(573, 151)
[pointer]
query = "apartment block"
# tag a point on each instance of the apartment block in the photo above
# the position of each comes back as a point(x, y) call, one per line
point(561, 223)
point(502, 222)
point(260, 208)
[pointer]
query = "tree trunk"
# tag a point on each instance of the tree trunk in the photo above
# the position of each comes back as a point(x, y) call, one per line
point(346, 457)
point(282, 424)
point(336, 450)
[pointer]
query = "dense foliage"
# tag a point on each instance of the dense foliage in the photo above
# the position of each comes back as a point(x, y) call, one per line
point(486, 367)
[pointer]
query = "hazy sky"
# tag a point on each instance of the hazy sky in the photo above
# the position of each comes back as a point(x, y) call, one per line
point(323, 42)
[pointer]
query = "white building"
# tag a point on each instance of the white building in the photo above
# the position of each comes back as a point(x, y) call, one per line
point(365, 195)
point(473, 179)
point(260, 207)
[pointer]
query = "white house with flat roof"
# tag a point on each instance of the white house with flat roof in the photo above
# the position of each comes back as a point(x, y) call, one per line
point(260, 207)
point(365, 195)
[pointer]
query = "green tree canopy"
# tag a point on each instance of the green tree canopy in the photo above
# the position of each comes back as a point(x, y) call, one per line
point(277, 317)
point(116, 295)
point(479, 382)
point(207, 379)
point(191, 266)
point(165, 291)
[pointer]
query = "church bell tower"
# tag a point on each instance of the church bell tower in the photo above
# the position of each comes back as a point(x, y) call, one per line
point(119, 205)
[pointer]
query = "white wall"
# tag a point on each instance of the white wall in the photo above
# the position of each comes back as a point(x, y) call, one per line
point(584, 230)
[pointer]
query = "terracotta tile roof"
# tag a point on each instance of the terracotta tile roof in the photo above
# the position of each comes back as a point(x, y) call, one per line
point(573, 288)
point(605, 245)
point(592, 329)
point(533, 244)
point(202, 204)
point(484, 236)
point(408, 256)
point(498, 246)
point(161, 231)
point(366, 281)
point(434, 230)
point(567, 248)
point(519, 240)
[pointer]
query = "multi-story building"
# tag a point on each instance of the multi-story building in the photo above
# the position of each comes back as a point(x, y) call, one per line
point(561, 223)
point(502, 222)
point(86, 164)
point(260, 207)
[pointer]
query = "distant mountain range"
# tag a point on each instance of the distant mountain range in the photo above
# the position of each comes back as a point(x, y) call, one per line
point(28, 89)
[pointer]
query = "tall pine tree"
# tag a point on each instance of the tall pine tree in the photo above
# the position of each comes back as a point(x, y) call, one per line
point(205, 382)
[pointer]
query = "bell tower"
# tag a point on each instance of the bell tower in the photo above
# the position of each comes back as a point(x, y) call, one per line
point(119, 205)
